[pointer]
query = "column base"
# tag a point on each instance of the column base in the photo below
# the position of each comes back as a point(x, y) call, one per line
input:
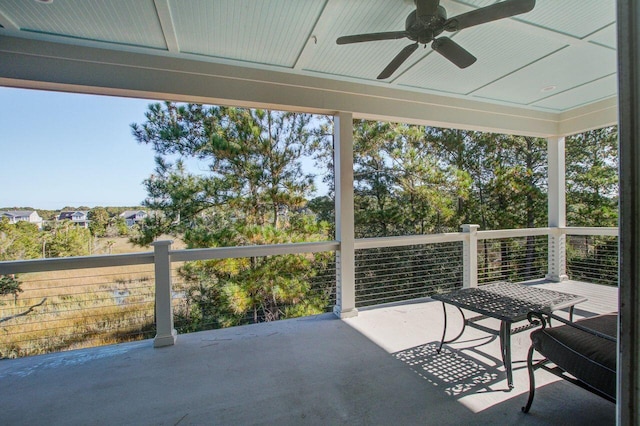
point(170, 340)
point(347, 313)
point(556, 278)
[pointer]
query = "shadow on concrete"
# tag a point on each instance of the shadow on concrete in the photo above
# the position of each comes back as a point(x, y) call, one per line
point(450, 370)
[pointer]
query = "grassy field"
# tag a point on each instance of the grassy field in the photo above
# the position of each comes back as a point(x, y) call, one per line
point(71, 309)
point(122, 245)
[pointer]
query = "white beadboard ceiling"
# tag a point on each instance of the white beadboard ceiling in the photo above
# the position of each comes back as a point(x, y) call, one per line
point(558, 57)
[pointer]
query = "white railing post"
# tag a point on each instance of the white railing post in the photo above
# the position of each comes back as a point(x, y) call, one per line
point(557, 210)
point(165, 333)
point(345, 231)
point(470, 256)
point(557, 256)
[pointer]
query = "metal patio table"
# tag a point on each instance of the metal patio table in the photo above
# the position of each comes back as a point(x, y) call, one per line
point(510, 303)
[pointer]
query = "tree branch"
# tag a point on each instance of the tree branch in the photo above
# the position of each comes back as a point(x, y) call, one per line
point(25, 312)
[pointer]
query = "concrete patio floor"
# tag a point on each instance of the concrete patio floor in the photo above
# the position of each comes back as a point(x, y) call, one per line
point(378, 368)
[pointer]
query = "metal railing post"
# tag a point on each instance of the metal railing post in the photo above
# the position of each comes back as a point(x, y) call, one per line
point(470, 256)
point(165, 333)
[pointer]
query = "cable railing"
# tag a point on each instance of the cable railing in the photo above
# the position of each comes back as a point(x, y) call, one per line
point(392, 274)
point(69, 303)
point(275, 287)
point(77, 308)
point(513, 259)
point(394, 269)
point(592, 255)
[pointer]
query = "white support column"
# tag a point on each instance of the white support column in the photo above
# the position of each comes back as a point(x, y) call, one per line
point(557, 210)
point(165, 333)
point(470, 257)
point(628, 399)
point(345, 232)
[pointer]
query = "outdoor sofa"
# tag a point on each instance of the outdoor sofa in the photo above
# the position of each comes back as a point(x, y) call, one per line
point(583, 352)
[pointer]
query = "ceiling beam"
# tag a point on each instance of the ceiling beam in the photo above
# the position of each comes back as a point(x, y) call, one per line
point(7, 23)
point(166, 22)
point(597, 115)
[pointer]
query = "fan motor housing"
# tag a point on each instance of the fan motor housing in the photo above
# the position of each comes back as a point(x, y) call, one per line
point(427, 28)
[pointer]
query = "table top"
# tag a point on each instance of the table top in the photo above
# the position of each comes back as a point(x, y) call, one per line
point(508, 301)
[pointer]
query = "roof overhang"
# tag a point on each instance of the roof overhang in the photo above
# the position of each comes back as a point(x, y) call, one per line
point(83, 68)
point(548, 72)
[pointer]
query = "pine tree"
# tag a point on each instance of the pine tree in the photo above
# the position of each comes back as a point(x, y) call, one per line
point(252, 192)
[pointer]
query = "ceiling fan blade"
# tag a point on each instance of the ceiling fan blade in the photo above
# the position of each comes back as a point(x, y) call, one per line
point(425, 8)
point(453, 52)
point(359, 38)
point(397, 61)
point(494, 12)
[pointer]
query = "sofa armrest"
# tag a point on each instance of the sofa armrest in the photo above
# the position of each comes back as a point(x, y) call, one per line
point(545, 317)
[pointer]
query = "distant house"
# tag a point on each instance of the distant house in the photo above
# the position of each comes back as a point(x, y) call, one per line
point(16, 216)
point(133, 216)
point(79, 218)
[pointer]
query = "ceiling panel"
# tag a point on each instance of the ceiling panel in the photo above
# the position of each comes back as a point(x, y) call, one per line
point(600, 89)
point(568, 68)
point(606, 37)
point(363, 60)
point(499, 49)
point(132, 23)
point(577, 18)
point(356, 61)
point(363, 16)
point(267, 32)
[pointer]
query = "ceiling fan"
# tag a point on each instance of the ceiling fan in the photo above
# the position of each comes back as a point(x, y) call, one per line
point(429, 20)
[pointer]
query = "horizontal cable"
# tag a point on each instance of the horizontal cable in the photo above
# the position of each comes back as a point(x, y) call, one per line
point(593, 258)
point(77, 334)
point(67, 318)
point(391, 276)
point(148, 270)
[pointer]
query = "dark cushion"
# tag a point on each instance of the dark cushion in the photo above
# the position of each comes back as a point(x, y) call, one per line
point(591, 359)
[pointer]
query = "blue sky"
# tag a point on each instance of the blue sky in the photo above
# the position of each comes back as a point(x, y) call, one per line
point(61, 149)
